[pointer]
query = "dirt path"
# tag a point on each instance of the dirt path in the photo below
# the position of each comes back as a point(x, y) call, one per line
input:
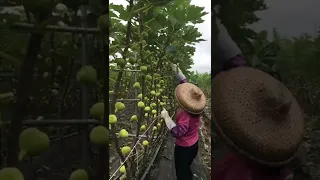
point(310, 156)
point(205, 134)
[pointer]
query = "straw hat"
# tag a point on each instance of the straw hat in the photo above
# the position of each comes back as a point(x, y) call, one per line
point(257, 115)
point(190, 98)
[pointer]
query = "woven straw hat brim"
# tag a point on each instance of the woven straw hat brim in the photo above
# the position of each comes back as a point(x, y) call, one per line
point(248, 155)
point(249, 124)
point(187, 101)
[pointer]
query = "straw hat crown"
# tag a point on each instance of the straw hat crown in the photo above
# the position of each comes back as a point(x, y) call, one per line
point(190, 97)
point(257, 115)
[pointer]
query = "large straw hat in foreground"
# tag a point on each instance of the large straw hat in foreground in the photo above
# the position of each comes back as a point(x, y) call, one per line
point(190, 98)
point(257, 115)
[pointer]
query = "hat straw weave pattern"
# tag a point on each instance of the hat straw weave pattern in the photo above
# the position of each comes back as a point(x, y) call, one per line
point(190, 98)
point(257, 115)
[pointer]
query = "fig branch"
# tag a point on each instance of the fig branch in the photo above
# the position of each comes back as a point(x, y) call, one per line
point(23, 92)
point(141, 116)
point(103, 151)
point(113, 103)
point(143, 78)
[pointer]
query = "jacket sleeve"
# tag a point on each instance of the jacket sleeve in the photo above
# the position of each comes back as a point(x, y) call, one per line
point(234, 62)
point(182, 125)
point(184, 81)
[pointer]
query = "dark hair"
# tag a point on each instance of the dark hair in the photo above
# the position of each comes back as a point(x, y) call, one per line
point(193, 115)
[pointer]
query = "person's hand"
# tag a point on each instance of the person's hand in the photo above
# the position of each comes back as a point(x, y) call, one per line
point(177, 71)
point(167, 119)
point(164, 114)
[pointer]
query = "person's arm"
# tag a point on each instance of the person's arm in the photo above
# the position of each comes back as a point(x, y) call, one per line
point(230, 52)
point(179, 129)
point(181, 77)
point(182, 125)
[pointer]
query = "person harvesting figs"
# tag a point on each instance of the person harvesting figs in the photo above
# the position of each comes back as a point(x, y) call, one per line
point(256, 116)
point(192, 102)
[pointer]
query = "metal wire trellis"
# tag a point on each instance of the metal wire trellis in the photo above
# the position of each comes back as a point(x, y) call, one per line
point(155, 142)
point(84, 122)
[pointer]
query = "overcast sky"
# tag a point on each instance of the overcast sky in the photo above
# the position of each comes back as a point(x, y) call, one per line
point(202, 56)
point(291, 18)
point(202, 59)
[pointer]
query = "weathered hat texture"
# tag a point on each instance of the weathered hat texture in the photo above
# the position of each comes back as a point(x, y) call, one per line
point(190, 97)
point(257, 115)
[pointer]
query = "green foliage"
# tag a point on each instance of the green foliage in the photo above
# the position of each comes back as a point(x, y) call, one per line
point(147, 36)
point(169, 25)
point(236, 16)
point(203, 80)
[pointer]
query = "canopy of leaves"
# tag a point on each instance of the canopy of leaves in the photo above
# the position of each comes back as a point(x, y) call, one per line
point(171, 25)
point(202, 80)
